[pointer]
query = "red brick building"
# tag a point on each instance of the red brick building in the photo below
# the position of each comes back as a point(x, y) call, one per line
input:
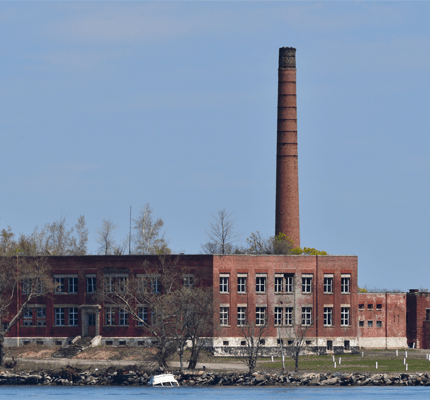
point(316, 292)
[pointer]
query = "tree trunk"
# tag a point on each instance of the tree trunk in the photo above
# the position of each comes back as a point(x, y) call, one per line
point(1, 350)
point(195, 351)
point(296, 359)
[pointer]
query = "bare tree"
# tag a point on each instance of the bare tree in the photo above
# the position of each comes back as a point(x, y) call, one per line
point(7, 242)
point(105, 237)
point(148, 238)
point(221, 234)
point(149, 299)
point(296, 339)
point(257, 244)
point(254, 332)
point(79, 244)
point(23, 278)
point(58, 237)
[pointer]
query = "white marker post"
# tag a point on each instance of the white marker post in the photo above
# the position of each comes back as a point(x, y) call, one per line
point(406, 367)
point(404, 361)
point(335, 364)
point(397, 352)
point(406, 354)
point(376, 364)
point(362, 354)
point(340, 361)
point(272, 358)
point(333, 358)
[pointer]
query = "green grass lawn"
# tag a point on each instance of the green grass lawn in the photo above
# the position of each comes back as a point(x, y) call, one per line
point(387, 362)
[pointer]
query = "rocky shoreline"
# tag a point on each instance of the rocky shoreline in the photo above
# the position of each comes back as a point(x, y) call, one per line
point(74, 377)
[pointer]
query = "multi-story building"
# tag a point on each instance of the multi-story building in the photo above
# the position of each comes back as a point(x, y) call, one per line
point(316, 293)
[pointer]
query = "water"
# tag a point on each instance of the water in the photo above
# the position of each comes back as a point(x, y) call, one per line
point(236, 393)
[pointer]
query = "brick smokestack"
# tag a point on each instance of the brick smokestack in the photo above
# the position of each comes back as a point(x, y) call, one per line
point(287, 174)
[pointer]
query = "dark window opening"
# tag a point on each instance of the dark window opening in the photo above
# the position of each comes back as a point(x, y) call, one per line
point(329, 345)
point(346, 345)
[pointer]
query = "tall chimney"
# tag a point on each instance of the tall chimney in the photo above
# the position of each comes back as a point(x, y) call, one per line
point(287, 174)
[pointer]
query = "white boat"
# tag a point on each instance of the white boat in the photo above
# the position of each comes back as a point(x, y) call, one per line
point(163, 380)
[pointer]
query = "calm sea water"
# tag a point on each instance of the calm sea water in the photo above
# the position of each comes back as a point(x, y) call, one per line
point(236, 393)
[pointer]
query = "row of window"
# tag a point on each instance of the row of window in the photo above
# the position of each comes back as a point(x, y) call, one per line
point(370, 324)
point(284, 283)
point(370, 307)
point(283, 316)
point(111, 284)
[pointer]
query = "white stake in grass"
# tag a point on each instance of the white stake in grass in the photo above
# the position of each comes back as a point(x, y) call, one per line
point(404, 361)
point(397, 352)
point(272, 358)
point(333, 358)
point(340, 361)
point(335, 364)
point(406, 367)
point(362, 354)
point(406, 354)
point(376, 364)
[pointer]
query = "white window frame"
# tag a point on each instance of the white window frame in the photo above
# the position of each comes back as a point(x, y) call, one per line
point(328, 316)
point(91, 284)
point(224, 283)
point(73, 316)
point(279, 284)
point(72, 285)
point(241, 283)
point(109, 316)
point(306, 316)
point(59, 316)
point(123, 317)
point(59, 285)
point(260, 315)
point(345, 316)
point(241, 316)
point(260, 283)
point(328, 283)
point(223, 315)
point(279, 316)
point(289, 283)
point(345, 284)
point(289, 315)
point(156, 284)
point(307, 283)
point(143, 314)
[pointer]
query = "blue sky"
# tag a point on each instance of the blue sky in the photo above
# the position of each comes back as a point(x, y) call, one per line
point(108, 105)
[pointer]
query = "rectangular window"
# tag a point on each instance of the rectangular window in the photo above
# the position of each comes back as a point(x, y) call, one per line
point(370, 307)
point(109, 316)
point(73, 285)
point(223, 316)
point(379, 307)
point(328, 284)
point(122, 284)
point(306, 316)
point(28, 317)
point(59, 285)
point(143, 315)
point(59, 316)
point(347, 345)
point(361, 306)
point(241, 316)
point(279, 284)
point(288, 315)
point(188, 282)
point(241, 283)
point(260, 316)
point(370, 324)
point(344, 284)
point(123, 318)
point(73, 316)
point(361, 324)
point(278, 315)
point(260, 286)
point(155, 284)
point(109, 284)
point(329, 345)
point(223, 283)
point(344, 316)
point(379, 324)
point(427, 315)
point(328, 316)
point(91, 284)
point(41, 312)
point(307, 283)
point(289, 283)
